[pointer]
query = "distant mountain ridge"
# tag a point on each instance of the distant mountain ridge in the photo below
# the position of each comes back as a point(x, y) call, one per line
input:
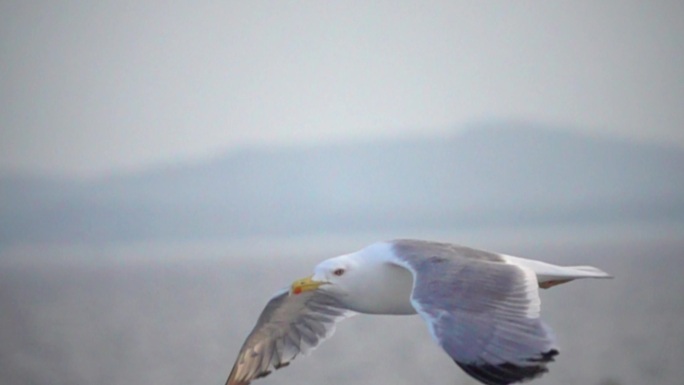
point(501, 174)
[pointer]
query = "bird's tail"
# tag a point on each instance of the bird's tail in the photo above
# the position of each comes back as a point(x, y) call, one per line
point(549, 275)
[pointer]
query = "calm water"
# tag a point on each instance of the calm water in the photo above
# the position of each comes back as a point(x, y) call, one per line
point(177, 314)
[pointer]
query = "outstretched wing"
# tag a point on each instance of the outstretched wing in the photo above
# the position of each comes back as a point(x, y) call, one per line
point(482, 311)
point(288, 325)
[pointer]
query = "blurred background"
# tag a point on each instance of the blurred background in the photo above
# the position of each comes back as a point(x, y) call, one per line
point(166, 167)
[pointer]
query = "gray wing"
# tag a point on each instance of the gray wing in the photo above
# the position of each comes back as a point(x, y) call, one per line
point(288, 325)
point(484, 313)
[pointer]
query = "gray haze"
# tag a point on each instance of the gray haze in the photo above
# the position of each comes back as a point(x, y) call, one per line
point(498, 175)
point(90, 87)
point(229, 146)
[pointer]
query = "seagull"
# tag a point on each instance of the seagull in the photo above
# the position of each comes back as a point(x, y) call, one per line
point(482, 308)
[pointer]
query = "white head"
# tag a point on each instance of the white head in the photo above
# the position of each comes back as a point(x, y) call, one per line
point(366, 281)
point(335, 275)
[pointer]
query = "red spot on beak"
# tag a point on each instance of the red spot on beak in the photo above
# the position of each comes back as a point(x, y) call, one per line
point(297, 290)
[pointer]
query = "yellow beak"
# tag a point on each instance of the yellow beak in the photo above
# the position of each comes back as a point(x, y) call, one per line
point(305, 284)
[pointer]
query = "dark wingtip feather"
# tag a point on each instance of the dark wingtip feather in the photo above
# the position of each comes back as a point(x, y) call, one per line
point(508, 373)
point(545, 357)
point(503, 374)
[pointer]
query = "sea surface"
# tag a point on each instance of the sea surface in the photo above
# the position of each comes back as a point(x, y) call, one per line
point(177, 313)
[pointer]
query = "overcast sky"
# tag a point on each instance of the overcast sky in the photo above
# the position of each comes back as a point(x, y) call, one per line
point(94, 86)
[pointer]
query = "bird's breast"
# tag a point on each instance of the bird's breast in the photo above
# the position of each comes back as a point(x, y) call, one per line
point(384, 290)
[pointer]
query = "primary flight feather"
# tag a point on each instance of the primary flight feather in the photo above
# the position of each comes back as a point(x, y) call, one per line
point(482, 308)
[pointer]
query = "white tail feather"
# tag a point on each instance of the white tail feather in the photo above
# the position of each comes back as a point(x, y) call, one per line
point(550, 275)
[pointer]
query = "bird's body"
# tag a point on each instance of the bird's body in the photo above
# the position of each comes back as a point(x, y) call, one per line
point(482, 308)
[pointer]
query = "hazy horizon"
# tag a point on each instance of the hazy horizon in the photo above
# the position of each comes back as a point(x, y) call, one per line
point(453, 133)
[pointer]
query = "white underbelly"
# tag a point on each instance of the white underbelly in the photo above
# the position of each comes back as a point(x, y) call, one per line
point(388, 292)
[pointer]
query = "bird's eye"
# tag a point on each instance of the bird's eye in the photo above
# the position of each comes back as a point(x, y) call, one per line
point(338, 272)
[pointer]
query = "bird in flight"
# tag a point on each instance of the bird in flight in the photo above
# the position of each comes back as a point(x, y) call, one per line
point(481, 308)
